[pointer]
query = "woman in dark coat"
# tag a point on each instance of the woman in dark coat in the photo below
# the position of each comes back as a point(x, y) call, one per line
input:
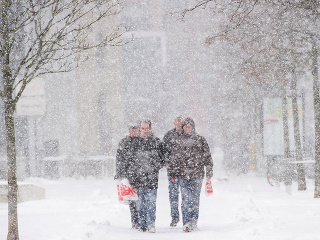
point(124, 159)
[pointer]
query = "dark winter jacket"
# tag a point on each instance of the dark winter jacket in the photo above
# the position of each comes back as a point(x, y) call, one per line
point(191, 158)
point(168, 141)
point(145, 158)
point(124, 157)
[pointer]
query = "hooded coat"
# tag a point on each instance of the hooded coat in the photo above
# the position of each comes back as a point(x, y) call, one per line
point(191, 158)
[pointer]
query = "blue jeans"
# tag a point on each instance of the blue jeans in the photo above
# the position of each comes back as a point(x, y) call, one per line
point(174, 198)
point(146, 206)
point(190, 192)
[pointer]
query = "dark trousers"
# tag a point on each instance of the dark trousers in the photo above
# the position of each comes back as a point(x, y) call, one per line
point(134, 214)
point(174, 198)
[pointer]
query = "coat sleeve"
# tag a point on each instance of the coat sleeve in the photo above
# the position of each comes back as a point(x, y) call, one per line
point(166, 147)
point(120, 160)
point(208, 163)
point(174, 165)
point(161, 153)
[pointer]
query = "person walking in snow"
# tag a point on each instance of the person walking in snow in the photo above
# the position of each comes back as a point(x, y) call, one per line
point(124, 160)
point(148, 160)
point(190, 162)
point(169, 139)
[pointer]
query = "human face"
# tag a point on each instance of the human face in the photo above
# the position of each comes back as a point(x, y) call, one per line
point(144, 130)
point(134, 132)
point(178, 123)
point(187, 129)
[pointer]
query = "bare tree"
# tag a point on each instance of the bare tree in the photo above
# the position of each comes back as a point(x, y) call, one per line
point(43, 37)
point(316, 99)
point(274, 32)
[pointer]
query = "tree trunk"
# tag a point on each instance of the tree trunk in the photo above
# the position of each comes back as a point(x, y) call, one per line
point(316, 99)
point(12, 178)
point(9, 105)
point(288, 170)
point(285, 127)
point(297, 140)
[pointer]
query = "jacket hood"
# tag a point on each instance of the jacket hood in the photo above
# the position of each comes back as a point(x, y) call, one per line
point(190, 121)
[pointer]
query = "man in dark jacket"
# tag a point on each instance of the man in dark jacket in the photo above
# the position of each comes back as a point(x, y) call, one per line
point(173, 187)
point(148, 159)
point(190, 162)
point(124, 159)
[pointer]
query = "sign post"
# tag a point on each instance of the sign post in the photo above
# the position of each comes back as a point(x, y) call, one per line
point(273, 139)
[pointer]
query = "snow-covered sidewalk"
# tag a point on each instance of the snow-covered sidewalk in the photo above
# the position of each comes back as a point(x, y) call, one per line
point(242, 207)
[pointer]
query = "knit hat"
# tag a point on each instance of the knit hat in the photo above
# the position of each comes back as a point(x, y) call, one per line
point(190, 121)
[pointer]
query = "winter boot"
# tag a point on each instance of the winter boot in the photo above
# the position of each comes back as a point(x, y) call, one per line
point(174, 223)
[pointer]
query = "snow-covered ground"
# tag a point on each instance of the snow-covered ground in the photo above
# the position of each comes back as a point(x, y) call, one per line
point(242, 207)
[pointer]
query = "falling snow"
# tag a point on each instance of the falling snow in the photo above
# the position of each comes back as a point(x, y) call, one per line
point(226, 64)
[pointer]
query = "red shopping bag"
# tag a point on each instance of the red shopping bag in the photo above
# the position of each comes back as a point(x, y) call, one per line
point(126, 191)
point(208, 189)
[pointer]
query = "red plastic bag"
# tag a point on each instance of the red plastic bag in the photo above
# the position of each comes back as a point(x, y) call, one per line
point(126, 191)
point(208, 189)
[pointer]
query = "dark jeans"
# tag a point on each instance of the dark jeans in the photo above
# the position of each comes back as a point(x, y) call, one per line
point(190, 192)
point(134, 214)
point(146, 206)
point(174, 198)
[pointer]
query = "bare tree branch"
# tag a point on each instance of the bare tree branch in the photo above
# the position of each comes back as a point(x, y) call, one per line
point(39, 37)
point(57, 31)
